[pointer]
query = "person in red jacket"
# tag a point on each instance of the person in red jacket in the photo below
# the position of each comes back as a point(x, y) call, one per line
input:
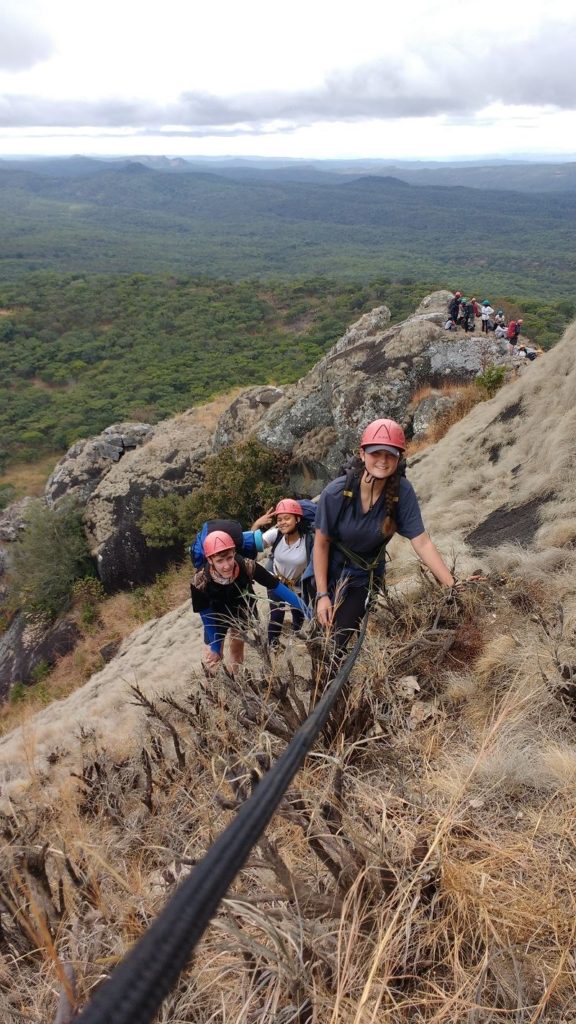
point(512, 332)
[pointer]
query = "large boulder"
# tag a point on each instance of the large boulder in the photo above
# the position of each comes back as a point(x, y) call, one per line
point(243, 413)
point(28, 645)
point(171, 462)
point(80, 470)
point(372, 371)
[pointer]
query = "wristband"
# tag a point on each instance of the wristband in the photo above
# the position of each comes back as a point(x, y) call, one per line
point(324, 593)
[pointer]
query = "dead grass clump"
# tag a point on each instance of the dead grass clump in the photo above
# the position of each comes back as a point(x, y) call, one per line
point(29, 478)
point(420, 868)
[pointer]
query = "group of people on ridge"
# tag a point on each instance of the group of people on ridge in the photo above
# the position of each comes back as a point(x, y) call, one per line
point(357, 514)
point(462, 312)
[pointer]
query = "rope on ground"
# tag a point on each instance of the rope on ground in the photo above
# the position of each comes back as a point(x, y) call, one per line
point(135, 991)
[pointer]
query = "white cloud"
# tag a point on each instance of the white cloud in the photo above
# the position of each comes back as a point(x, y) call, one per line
point(229, 71)
point(23, 40)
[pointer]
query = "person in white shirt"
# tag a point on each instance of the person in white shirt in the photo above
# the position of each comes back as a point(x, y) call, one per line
point(486, 313)
point(290, 545)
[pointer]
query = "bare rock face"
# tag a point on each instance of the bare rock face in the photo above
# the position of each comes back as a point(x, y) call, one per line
point(242, 414)
point(13, 520)
point(171, 462)
point(79, 472)
point(372, 372)
point(25, 645)
point(435, 305)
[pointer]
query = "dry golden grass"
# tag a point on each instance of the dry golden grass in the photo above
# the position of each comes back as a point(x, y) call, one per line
point(208, 415)
point(420, 870)
point(29, 478)
point(118, 617)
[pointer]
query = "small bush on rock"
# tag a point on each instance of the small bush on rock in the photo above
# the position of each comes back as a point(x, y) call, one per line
point(240, 482)
point(49, 558)
point(491, 380)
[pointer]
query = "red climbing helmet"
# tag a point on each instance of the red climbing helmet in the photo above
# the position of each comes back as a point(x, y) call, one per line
point(289, 506)
point(216, 542)
point(386, 434)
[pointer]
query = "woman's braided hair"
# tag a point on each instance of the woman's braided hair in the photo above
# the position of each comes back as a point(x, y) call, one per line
point(391, 498)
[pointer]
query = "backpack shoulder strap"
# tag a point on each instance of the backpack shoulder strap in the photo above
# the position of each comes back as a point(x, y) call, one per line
point(348, 493)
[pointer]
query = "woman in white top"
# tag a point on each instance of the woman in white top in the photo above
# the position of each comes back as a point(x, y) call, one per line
point(290, 556)
point(487, 313)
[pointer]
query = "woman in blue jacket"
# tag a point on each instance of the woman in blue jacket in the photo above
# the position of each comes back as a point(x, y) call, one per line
point(223, 595)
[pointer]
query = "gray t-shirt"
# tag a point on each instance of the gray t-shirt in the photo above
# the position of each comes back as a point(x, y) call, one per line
point(360, 531)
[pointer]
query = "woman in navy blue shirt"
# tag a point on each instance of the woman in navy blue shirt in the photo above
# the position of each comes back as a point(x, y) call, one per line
point(353, 527)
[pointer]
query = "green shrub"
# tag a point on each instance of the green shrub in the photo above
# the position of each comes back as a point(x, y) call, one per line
point(491, 380)
point(49, 558)
point(87, 595)
point(6, 495)
point(20, 694)
point(240, 483)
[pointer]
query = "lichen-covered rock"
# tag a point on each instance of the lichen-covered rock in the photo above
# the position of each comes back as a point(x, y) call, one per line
point(436, 306)
point(170, 462)
point(468, 355)
point(243, 413)
point(27, 645)
point(79, 472)
point(372, 372)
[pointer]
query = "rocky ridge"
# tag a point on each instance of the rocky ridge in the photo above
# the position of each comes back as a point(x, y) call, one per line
point(373, 369)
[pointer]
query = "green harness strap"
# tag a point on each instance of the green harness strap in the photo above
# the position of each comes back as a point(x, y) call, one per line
point(366, 565)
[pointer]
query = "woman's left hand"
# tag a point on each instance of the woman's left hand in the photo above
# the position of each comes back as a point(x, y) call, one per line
point(264, 520)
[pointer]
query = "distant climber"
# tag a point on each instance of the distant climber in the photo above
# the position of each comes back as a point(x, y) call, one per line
point(467, 315)
point(454, 307)
point(512, 333)
point(486, 315)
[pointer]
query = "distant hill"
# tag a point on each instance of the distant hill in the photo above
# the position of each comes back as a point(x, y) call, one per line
point(124, 217)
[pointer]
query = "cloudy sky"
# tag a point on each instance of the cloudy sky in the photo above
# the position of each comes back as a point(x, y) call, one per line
point(309, 78)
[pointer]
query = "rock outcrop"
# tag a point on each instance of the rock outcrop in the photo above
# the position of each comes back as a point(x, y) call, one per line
point(79, 472)
point(244, 412)
point(425, 412)
point(171, 462)
point(28, 644)
point(373, 371)
point(13, 520)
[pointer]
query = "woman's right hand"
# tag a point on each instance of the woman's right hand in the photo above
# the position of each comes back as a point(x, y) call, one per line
point(324, 611)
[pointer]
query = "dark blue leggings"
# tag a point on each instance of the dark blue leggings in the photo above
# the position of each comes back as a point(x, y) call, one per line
point(348, 616)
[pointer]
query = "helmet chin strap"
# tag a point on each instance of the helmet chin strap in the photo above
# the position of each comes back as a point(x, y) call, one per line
point(370, 479)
